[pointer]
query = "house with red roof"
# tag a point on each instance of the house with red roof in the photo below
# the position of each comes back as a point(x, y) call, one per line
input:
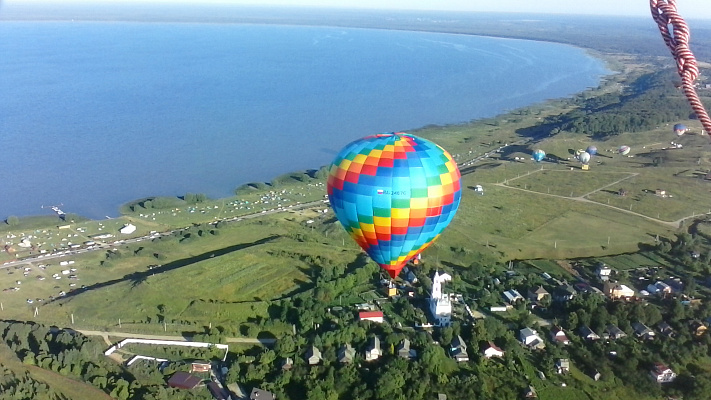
point(375, 316)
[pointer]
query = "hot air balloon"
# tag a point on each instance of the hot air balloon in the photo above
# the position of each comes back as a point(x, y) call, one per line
point(584, 157)
point(624, 150)
point(578, 152)
point(394, 193)
point(539, 155)
point(592, 150)
point(679, 129)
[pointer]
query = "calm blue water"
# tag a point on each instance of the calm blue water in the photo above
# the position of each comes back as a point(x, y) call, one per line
point(93, 115)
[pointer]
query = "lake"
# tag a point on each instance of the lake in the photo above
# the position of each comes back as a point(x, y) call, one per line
point(95, 114)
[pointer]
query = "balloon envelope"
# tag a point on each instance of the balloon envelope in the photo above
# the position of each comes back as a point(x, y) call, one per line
point(679, 129)
point(592, 150)
point(624, 150)
point(584, 157)
point(539, 154)
point(394, 193)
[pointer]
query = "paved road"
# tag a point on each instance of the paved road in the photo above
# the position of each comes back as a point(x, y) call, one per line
point(106, 334)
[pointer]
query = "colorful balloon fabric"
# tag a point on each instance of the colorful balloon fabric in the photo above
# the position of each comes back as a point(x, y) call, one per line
point(624, 150)
point(539, 155)
point(592, 150)
point(584, 157)
point(679, 129)
point(394, 193)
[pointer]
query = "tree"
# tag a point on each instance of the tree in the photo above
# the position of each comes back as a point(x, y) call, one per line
point(12, 220)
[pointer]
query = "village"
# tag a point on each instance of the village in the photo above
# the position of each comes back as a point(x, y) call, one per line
point(542, 320)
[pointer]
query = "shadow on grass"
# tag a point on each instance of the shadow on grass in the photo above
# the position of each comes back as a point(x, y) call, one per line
point(139, 277)
point(474, 168)
point(516, 148)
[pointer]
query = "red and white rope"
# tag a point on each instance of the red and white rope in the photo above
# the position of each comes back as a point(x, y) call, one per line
point(665, 14)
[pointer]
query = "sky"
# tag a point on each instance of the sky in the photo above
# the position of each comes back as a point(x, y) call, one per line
point(689, 9)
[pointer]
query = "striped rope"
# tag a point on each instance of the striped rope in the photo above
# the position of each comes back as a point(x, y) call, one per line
point(665, 14)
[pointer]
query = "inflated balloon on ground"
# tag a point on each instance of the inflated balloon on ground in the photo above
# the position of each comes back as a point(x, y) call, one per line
point(680, 129)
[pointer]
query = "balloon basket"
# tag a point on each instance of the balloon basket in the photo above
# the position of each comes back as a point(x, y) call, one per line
point(586, 167)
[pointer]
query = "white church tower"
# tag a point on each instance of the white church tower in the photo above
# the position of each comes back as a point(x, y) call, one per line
point(440, 305)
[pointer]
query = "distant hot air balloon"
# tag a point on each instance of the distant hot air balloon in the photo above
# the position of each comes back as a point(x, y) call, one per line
point(679, 129)
point(592, 150)
point(624, 150)
point(584, 157)
point(394, 193)
point(539, 155)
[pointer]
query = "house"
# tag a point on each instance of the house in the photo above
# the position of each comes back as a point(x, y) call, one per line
point(642, 331)
point(530, 393)
point(662, 374)
point(440, 303)
point(531, 339)
point(564, 293)
point(346, 354)
point(659, 288)
point(184, 380)
point(562, 365)
point(614, 332)
point(458, 349)
point(375, 316)
point(373, 351)
point(559, 336)
point(287, 364)
point(441, 396)
point(617, 290)
point(603, 272)
point(595, 375)
point(538, 295)
point(128, 229)
point(259, 394)
point(588, 334)
point(512, 296)
point(411, 277)
point(404, 350)
point(665, 329)
point(697, 327)
point(313, 355)
point(676, 284)
point(218, 393)
point(491, 350)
